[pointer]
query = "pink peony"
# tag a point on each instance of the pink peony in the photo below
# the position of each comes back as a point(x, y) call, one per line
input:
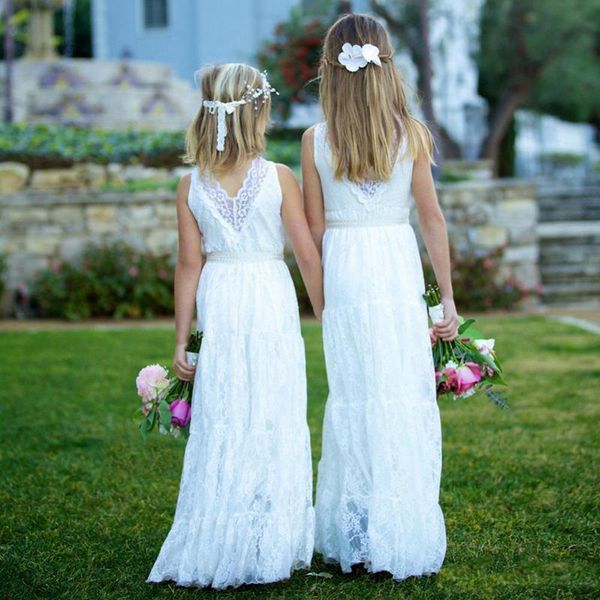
point(133, 271)
point(180, 413)
point(150, 381)
point(467, 376)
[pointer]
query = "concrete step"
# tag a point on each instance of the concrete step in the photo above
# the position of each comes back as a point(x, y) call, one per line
point(584, 269)
point(569, 204)
point(569, 209)
point(571, 292)
point(558, 254)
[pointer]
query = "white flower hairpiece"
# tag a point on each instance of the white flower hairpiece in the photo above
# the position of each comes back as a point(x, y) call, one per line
point(355, 57)
point(222, 109)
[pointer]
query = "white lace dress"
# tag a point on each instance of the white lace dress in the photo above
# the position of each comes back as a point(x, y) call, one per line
point(244, 512)
point(379, 475)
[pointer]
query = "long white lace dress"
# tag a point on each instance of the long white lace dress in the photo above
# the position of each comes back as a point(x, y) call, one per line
point(244, 513)
point(379, 475)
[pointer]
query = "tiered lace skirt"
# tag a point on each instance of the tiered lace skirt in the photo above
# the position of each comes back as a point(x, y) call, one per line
point(244, 512)
point(379, 475)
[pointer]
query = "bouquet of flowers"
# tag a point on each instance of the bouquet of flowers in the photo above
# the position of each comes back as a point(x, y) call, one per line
point(466, 364)
point(166, 401)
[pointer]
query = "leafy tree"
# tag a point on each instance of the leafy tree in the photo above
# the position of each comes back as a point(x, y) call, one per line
point(542, 55)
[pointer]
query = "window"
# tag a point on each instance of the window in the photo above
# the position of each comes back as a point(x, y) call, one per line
point(155, 14)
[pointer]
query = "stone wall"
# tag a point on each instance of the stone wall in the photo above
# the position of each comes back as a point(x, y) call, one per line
point(485, 215)
point(38, 227)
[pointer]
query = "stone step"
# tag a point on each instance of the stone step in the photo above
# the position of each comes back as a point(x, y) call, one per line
point(558, 254)
point(568, 229)
point(576, 204)
point(587, 268)
point(572, 274)
point(570, 292)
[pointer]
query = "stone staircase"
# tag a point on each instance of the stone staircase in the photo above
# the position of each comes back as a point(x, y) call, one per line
point(569, 243)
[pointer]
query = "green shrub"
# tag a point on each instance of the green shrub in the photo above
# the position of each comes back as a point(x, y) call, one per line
point(49, 146)
point(475, 282)
point(142, 185)
point(109, 281)
point(46, 146)
point(451, 176)
point(284, 151)
point(561, 160)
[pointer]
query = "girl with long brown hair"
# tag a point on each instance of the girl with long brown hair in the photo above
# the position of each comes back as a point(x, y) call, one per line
point(379, 475)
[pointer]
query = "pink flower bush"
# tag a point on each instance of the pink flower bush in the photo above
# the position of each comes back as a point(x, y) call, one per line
point(150, 381)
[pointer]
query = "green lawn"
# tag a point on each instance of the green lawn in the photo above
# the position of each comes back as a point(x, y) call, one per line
point(86, 504)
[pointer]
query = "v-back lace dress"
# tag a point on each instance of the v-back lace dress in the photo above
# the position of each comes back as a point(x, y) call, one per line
point(379, 475)
point(244, 512)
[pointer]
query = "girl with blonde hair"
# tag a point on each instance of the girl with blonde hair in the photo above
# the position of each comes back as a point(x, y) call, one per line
point(244, 513)
point(379, 475)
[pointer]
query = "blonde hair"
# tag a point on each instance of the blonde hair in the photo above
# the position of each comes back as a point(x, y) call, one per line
point(367, 110)
point(246, 125)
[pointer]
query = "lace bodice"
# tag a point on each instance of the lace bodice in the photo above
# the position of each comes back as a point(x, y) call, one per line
point(250, 221)
point(348, 201)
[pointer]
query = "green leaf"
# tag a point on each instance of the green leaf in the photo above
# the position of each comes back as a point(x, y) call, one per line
point(465, 325)
point(165, 413)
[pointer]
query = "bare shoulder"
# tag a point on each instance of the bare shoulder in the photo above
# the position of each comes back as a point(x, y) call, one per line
point(284, 172)
point(309, 135)
point(287, 177)
point(183, 188)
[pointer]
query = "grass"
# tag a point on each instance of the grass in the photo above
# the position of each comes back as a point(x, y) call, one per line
point(85, 504)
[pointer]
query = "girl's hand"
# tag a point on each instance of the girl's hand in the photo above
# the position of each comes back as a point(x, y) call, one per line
point(180, 365)
point(448, 328)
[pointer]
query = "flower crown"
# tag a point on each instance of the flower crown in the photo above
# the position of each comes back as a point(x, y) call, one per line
point(355, 57)
point(221, 109)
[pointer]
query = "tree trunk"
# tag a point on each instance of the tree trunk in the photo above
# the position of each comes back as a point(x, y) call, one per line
point(501, 118)
point(425, 76)
point(9, 55)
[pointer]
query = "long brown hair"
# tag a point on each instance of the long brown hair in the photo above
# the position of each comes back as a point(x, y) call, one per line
point(367, 110)
point(246, 125)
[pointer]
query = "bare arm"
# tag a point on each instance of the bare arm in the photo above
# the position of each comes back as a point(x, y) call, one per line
point(187, 274)
point(311, 187)
point(305, 251)
point(435, 235)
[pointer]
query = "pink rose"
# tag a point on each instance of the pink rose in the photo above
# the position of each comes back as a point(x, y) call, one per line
point(467, 376)
point(133, 271)
point(180, 413)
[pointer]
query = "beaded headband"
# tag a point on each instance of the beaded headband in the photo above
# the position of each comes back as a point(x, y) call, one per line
point(221, 109)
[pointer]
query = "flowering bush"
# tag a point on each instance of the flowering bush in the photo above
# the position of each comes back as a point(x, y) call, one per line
point(109, 281)
point(475, 282)
point(292, 59)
